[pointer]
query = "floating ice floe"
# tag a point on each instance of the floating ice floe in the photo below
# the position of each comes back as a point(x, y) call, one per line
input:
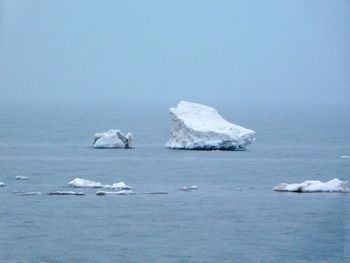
point(118, 186)
point(334, 185)
point(199, 127)
point(121, 192)
point(84, 183)
point(2, 184)
point(345, 157)
point(21, 177)
point(113, 139)
point(155, 193)
point(189, 188)
point(66, 193)
point(28, 193)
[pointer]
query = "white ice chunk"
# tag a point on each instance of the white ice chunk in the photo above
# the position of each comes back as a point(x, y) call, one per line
point(345, 157)
point(118, 186)
point(334, 185)
point(21, 178)
point(189, 188)
point(2, 184)
point(199, 127)
point(66, 193)
point(80, 182)
point(121, 192)
point(113, 139)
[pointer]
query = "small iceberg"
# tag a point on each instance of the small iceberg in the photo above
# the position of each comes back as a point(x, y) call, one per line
point(189, 188)
point(198, 127)
point(66, 193)
point(334, 185)
point(345, 157)
point(113, 139)
point(21, 177)
point(121, 192)
point(2, 184)
point(84, 183)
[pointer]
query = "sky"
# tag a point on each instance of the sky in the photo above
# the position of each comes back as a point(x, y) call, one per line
point(89, 51)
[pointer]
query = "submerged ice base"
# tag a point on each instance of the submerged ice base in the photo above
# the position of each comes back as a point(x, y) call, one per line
point(334, 185)
point(198, 127)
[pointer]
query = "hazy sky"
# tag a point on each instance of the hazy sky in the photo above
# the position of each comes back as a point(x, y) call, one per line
point(149, 51)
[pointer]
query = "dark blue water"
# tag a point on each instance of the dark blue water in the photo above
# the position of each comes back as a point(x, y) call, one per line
point(235, 216)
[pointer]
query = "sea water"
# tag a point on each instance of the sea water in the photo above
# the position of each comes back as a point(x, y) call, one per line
point(234, 216)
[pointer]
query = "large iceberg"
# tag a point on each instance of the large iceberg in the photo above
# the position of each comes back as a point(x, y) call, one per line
point(334, 185)
point(199, 127)
point(113, 139)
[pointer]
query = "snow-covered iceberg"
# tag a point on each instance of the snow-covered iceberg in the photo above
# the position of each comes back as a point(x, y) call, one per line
point(113, 139)
point(334, 185)
point(199, 127)
point(2, 184)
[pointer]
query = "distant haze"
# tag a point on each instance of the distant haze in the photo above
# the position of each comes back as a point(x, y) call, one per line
point(165, 51)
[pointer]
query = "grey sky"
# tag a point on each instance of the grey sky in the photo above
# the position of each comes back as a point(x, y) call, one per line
point(143, 51)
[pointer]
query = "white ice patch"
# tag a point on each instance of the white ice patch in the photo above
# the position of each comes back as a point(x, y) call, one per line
point(199, 127)
point(121, 192)
point(2, 184)
point(21, 178)
point(345, 157)
point(334, 185)
point(113, 139)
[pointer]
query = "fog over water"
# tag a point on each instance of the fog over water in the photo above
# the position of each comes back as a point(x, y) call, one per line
point(69, 69)
point(213, 52)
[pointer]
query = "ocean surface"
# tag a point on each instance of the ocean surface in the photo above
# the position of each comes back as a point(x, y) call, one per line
point(234, 216)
